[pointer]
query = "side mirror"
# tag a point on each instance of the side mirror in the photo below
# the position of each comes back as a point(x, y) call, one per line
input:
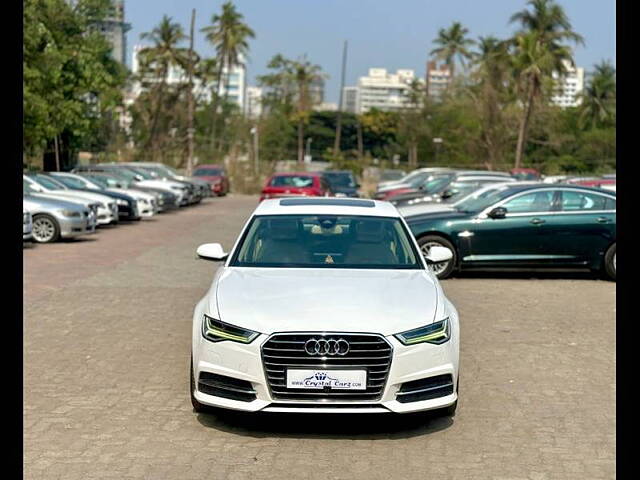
point(212, 251)
point(448, 193)
point(438, 254)
point(498, 212)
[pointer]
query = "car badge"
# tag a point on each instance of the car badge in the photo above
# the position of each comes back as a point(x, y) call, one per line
point(329, 259)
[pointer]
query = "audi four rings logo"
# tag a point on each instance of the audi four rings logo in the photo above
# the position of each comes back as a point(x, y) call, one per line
point(326, 347)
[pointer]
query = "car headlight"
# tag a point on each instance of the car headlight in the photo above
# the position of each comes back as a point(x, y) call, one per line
point(121, 202)
point(218, 331)
point(437, 333)
point(70, 213)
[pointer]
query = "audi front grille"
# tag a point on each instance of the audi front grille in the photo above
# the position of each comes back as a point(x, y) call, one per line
point(370, 352)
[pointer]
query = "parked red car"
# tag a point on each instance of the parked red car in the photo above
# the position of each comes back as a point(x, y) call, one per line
point(292, 184)
point(216, 176)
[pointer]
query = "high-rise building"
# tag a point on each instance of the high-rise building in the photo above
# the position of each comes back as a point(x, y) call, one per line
point(233, 85)
point(115, 29)
point(438, 79)
point(350, 99)
point(381, 90)
point(253, 103)
point(569, 87)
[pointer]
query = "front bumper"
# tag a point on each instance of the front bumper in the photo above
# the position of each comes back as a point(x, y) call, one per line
point(244, 362)
point(73, 227)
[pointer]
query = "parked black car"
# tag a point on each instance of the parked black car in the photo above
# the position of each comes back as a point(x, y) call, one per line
point(342, 182)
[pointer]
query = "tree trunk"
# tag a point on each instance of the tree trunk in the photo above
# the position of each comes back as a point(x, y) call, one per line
point(360, 143)
point(300, 142)
point(57, 149)
point(524, 125)
point(190, 106)
point(215, 106)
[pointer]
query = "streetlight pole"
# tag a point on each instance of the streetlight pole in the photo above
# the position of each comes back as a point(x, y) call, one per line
point(437, 142)
point(254, 132)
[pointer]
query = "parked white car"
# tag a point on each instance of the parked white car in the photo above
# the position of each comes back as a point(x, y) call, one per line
point(325, 305)
point(107, 208)
point(147, 203)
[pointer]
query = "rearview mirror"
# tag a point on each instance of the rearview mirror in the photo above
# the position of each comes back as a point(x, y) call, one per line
point(211, 251)
point(438, 254)
point(498, 212)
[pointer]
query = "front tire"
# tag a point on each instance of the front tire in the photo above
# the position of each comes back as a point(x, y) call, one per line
point(45, 228)
point(610, 262)
point(441, 270)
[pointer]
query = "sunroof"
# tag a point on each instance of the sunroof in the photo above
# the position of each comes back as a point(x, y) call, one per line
point(339, 202)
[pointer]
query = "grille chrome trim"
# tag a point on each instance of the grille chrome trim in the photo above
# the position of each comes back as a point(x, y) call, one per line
point(289, 343)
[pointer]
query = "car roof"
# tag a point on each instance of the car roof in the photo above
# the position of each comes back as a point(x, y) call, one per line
point(326, 206)
point(290, 174)
point(516, 188)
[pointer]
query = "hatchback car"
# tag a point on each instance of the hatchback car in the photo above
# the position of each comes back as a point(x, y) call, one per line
point(296, 184)
point(216, 176)
point(325, 305)
point(525, 226)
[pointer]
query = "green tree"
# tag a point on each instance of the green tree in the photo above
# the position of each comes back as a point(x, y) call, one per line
point(155, 64)
point(453, 44)
point(230, 36)
point(538, 53)
point(598, 101)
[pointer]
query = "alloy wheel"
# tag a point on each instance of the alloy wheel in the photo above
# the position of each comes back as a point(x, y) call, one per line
point(436, 268)
point(44, 229)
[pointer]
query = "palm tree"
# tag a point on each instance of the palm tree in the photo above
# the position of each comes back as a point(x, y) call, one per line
point(598, 101)
point(490, 95)
point(229, 35)
point(539, 53)
point(453, 44)
point(157, 60)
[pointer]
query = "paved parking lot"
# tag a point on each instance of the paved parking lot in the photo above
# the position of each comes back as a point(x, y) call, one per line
point(107, 324)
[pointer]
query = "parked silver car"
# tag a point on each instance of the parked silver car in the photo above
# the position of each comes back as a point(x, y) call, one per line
point(55, 218)
point(27, 224)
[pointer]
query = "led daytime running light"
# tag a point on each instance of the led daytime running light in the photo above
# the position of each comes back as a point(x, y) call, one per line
point(436, 333)
point(217, 331)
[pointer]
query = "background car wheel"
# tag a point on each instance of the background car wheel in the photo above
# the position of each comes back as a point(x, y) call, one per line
point(610, 262)
point(45, 228)
point(441, 269)
point(197, 406)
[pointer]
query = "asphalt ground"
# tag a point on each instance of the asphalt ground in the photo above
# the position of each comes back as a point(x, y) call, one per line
point(107, 329)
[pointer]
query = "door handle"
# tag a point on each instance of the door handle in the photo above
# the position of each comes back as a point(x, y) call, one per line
point(537, 221)
point(602, 220)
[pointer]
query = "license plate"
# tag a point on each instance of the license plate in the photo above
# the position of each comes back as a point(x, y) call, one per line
point(320, 379)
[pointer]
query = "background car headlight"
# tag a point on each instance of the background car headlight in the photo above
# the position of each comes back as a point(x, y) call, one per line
point(121, 202)
point(218, 331)
point(437, 333)
point(70, 213)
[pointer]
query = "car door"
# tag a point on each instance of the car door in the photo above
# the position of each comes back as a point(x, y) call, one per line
point(521, 237)
point(585, 225)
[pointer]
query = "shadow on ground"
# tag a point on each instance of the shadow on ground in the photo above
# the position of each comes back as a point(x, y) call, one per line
point(337, 426)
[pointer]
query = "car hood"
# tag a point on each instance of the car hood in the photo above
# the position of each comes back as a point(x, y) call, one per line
point(422, 208)
point(76, 201)
point(81, 194)
point(271, 300)
point(437, 215)
point(163, 184)
point(393, 186)
point(132, 193)
point(41, 203)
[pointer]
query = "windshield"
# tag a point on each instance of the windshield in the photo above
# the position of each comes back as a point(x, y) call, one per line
point(388, 175)
point(437, 184)
point(208, 172)
point(417, 179)
point(326, 241)
point(481, 199)
point(458, 190)
point(141, 171)
point(298, 181)
point(47, 182)
point(100, 180)
point(71, 182)
point(26, 188)
point(340, 179)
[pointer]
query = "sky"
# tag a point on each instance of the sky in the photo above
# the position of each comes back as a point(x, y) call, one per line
point(380, 33)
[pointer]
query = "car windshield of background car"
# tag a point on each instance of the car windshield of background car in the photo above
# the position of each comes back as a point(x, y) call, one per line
point(48, 183)
point(340, 179)
point(326, 241)
point(207, 172)
point(292, 181)
point(481, 200)
point(71, 182)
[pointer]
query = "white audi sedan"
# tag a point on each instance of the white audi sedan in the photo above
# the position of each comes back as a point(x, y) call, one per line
point(325, 305)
